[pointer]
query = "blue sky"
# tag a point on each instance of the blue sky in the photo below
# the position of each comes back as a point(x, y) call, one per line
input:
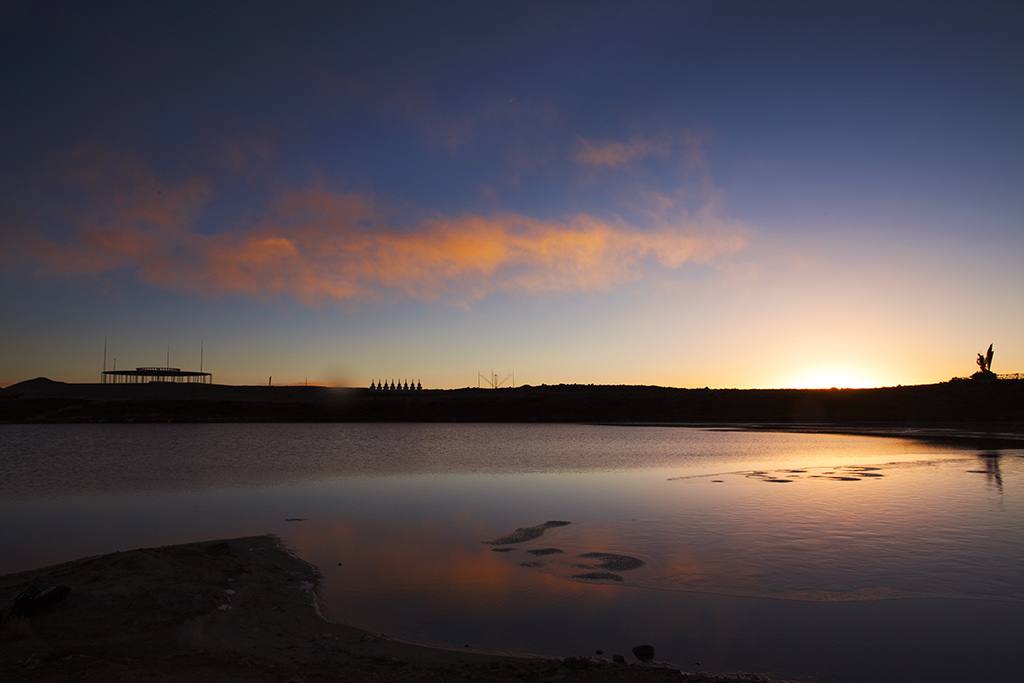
point(727, 194)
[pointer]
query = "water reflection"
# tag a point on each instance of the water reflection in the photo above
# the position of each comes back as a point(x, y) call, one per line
point(46, 460)
point(564, 539)
point(834, 533)
point(992, 472)
point(439, 581)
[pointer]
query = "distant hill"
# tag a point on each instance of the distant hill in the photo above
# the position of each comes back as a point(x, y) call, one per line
point(36, 385)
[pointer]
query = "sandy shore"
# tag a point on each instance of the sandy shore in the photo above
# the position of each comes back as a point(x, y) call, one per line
point(238, 610)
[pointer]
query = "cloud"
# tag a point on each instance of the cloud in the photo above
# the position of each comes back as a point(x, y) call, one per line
point(119, 212)
point(612, 153)
point(317, 245)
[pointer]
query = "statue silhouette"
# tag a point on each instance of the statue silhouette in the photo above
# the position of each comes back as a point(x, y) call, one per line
point(984, 365)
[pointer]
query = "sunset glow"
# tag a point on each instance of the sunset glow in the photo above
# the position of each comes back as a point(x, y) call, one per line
point(827, 378)
point(673, 194)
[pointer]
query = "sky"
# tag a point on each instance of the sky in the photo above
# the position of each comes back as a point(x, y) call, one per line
point(690, 194)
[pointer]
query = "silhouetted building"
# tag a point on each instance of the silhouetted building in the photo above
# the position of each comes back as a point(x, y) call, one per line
point(147, 375)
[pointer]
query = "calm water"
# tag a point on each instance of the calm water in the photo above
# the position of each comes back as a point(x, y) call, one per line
point(835, 558)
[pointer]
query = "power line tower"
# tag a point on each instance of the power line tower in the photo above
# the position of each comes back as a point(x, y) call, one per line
point(492, 380)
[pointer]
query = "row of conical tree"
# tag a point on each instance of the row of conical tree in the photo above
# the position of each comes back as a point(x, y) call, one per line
point(395, 386)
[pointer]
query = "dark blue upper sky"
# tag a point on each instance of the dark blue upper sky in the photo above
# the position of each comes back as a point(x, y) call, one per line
point(138, 138)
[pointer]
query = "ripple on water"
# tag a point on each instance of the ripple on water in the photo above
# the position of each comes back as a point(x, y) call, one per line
point(920, 530)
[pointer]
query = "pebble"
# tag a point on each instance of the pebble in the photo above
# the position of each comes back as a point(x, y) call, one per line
point(644, 653)
point(574, 663)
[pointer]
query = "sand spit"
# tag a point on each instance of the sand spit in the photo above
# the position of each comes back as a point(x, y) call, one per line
point(613, 562)
point(237, 610)
point(526, 533)
point(610, 563)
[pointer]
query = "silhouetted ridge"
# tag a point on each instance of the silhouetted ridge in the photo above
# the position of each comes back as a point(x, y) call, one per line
point(42, 400)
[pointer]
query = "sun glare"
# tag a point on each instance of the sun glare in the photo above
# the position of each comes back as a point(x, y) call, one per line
point(827, 378)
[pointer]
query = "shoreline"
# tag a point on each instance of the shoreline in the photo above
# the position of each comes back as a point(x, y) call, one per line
point(242, 609)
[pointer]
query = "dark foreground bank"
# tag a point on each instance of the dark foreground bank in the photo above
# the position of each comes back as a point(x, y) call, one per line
point(42, 400)
point(239, 610)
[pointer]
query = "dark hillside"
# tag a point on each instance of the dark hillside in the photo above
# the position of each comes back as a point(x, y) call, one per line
point(42, 400)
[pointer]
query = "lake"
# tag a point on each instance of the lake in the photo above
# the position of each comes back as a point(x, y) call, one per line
point(824, 557)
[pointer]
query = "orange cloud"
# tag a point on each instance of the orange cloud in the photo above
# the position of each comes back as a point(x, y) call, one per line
point(613, 153)
point(316, 245)
point(146, 229)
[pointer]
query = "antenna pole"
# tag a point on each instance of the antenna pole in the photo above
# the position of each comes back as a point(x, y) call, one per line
point(494, 381)
point(103, 377)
